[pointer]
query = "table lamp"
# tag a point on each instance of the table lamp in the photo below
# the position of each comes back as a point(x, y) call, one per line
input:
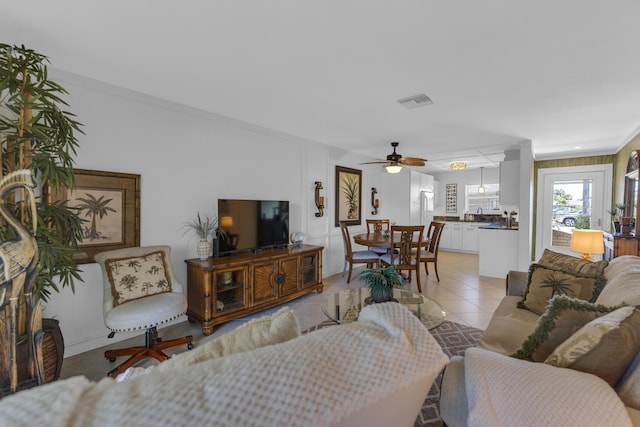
point(587, 242)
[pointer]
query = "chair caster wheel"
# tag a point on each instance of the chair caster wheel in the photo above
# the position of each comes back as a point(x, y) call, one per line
point(158, 340)
point(111, 359)
point(190, 346)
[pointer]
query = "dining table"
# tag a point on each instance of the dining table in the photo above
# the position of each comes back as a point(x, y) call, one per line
point(381, 239)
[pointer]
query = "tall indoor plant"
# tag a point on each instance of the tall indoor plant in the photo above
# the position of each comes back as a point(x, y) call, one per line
point(37, 133)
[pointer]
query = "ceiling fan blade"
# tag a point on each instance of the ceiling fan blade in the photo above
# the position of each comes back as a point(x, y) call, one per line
point(374, 163)
point(412, 161)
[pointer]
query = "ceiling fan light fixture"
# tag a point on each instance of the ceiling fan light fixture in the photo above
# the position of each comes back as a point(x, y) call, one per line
point(458, 165)
point(393, 168)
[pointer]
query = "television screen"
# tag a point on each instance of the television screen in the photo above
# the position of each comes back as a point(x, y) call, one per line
point(253, 224)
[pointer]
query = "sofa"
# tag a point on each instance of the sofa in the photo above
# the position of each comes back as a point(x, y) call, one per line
point(554, 360)
point(375, 372)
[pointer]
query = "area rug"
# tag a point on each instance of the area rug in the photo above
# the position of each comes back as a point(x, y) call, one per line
point(454, 339)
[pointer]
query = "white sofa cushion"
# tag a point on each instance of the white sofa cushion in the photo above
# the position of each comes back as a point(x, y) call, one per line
point(320, 379)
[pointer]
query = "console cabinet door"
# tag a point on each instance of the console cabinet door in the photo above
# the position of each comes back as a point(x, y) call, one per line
point(288, 279)
point(230, 285)
point(310, 268)
point(264, 281)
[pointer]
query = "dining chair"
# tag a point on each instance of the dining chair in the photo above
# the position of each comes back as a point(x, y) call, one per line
point(378, 226)
point(408, 249)
point(355, 257)
point(431, 252)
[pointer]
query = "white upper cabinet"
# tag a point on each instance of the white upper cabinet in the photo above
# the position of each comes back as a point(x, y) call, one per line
point(509, 182)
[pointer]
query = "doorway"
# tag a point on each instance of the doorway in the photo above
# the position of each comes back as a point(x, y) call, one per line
point(569, 198)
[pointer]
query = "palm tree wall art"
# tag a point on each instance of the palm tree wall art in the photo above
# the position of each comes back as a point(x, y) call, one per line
point(348, 196)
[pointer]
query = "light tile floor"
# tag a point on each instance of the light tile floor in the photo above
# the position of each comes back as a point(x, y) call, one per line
point(466, 297)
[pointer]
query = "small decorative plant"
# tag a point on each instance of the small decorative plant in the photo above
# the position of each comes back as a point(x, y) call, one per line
point(617, 212)
point(381, 282)
point(202, 228)
point(616, 215)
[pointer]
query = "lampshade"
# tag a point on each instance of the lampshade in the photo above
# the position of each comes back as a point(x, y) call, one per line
point(393, 168)
point(226, 221)
point(587, 242)
point(458, 165)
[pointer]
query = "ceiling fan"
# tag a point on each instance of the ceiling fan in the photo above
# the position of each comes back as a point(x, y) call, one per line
point(395, 161)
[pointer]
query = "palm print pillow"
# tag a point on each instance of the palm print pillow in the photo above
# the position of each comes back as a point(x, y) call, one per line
point(137, 277)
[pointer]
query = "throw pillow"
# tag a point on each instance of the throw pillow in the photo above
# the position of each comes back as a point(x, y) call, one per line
point(137, 277)
point(260, 332)
point(561, 319)
point(544, 283)
point(604, 347)
point(572, 265)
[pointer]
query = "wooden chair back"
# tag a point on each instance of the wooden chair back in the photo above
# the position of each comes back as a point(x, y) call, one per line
point(346, 239)
point(408, 246)
point(434, 233)
point(378, 225)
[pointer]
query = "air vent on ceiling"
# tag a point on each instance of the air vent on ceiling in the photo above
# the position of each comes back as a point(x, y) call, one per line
point(415, 101)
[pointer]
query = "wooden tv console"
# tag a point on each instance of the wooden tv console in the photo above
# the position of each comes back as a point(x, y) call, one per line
point(225, 288)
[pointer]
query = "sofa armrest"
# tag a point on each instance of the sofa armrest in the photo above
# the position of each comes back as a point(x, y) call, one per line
point(454, 409)
point(516, 283)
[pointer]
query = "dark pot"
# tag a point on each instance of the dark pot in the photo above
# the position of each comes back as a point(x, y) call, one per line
point(52, 352)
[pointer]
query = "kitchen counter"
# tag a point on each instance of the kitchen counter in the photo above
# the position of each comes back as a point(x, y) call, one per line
point(498, 226)
point(497, 252)
point(476, 218)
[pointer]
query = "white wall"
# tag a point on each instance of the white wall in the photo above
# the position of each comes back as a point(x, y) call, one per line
point(188, 159)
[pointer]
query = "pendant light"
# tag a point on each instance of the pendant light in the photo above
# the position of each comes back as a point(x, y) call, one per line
point(481, 188)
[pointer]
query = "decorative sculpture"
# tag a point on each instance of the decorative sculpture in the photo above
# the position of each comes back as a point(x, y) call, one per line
point(18, 262)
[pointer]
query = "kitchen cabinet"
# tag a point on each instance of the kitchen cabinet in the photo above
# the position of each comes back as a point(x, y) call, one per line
point(460, 236)
point(510, 182)
point(470, 236)
point(456, 235)
point(445, 237)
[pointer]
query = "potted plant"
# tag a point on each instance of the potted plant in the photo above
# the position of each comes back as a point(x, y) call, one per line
point(36, 133)
point(616, 215)
point(381, 282)
point(203, 228)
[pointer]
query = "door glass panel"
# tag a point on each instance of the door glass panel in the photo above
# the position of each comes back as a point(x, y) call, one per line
point(571, 209)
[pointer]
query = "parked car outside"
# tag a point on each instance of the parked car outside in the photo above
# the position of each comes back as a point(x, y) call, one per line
point(566, 216)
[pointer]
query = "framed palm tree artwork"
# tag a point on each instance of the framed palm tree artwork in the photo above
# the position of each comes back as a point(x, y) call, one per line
point(109, 205)
point(348, 196)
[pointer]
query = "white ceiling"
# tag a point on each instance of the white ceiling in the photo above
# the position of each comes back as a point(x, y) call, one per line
point(562, 74)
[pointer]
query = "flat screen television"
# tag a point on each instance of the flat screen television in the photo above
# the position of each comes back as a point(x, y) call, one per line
point(252, 225)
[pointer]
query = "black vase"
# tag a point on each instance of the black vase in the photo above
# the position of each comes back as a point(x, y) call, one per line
point(616, 226)
point(216, 247)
